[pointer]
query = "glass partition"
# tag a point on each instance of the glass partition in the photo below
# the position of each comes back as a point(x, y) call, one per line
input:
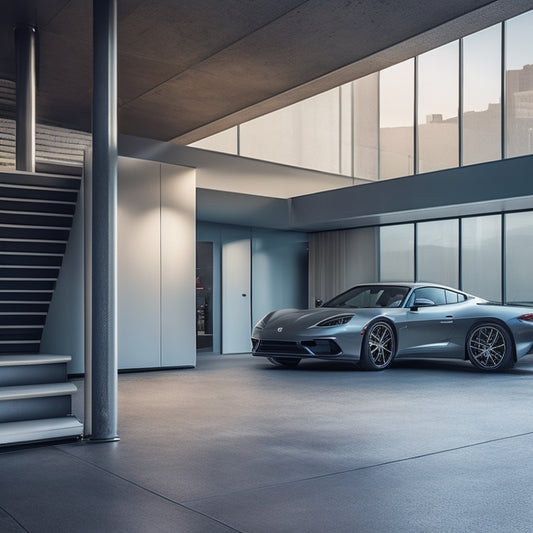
point(397, 252)
point(366, 133)
point(438, 108)
point(482, 96)
point(518, 257)
point(438, 252)
point(519, 84)
point(396, 120)
point(306, 134)
point(481, 256)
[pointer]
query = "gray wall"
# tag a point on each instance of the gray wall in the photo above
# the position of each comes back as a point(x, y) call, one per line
point(278, 261)
point(279, 271)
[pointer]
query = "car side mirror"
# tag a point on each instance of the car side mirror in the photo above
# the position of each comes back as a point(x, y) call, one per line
point(318, 302)
point(421, 302)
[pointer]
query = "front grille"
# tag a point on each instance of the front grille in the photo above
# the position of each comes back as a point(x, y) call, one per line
point(323, 347)
point(281, 347)
point(309, 347)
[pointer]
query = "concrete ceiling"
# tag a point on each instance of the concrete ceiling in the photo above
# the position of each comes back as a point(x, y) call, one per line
point(190, 68)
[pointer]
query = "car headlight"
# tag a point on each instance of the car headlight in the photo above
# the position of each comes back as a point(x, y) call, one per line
point(338, 320)
point(262, 323)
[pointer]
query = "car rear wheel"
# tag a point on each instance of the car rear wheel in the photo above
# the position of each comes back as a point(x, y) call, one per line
point(379, 346)
point(490, 347)
point(284, 361)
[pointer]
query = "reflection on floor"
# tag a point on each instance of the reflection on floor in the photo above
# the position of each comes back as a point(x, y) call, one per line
point(239, 445)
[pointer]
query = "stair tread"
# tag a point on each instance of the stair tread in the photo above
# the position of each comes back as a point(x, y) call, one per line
point(32, 359)
point(42, 429)
point(21, 392)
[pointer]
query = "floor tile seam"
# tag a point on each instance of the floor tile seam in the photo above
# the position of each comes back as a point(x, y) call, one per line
point(145, 489)
point(186, 503)
point(13, 518)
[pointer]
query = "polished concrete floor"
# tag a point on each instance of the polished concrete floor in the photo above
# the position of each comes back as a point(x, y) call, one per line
point(239, 445)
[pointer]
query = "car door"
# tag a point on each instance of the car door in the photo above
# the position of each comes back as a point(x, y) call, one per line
point(429, 327)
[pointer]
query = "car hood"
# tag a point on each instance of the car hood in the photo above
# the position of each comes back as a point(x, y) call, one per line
point(305, 318)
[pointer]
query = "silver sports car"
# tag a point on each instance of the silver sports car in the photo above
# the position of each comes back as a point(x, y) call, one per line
point(375, 323)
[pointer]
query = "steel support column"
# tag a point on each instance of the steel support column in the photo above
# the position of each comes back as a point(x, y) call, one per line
point(104, 171)
point(25, 112)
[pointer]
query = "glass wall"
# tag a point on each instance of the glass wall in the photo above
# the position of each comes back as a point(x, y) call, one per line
point(465, 253)
point(396, 120)
point(482, 96)
point(519, 257)
point(481, 256)
point(226, 142)
point(366, 129)
point(438, 105)
point(397, 252)
point(437, 252)
point(366, 132)
point(306, 134)
point(519, 84)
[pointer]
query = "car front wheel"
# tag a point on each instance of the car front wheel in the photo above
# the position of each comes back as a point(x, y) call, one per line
point(284, 361)
point(490, 347)
point(379, 346)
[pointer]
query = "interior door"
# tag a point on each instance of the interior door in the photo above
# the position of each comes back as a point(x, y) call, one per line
point(236, 300)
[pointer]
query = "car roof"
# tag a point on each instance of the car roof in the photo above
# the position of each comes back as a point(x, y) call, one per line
point(407, 284)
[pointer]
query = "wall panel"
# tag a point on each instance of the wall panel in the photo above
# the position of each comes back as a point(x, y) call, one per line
point(156, 265)
point(178, 251)
point(138, 264)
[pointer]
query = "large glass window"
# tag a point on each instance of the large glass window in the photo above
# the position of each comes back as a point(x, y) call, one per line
point(397, 252)
point(225, 142)
point(306, 134)
point(366, 133)
point(396, 120)
point(438, 106)
point(519, 257)
point(438, 252)
point(481, 257)
point(519, 83)
point(482, 96)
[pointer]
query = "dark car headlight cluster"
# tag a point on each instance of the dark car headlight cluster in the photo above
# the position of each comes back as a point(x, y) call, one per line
point(262, 323)
point(338, 320)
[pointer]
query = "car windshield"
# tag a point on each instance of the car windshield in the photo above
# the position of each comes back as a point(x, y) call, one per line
point(369, 296)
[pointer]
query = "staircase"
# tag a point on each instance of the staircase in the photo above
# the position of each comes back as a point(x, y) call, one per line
point(36, 213)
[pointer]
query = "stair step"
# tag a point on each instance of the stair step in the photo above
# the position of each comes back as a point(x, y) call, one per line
point(21, 347)
point(36, 219)
point(33, 233)
point(40, 430)
point(32, 246)
point(30, 259)
point(22, 392)
point(40, 180)
point(27, 285)
point(21, 192)
point(36, 206)
point(20, 334)
point(33, 359)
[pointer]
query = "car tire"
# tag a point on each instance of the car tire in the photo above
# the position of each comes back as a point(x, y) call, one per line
point(379, 346)
point(490, 347)
point(284, 361)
